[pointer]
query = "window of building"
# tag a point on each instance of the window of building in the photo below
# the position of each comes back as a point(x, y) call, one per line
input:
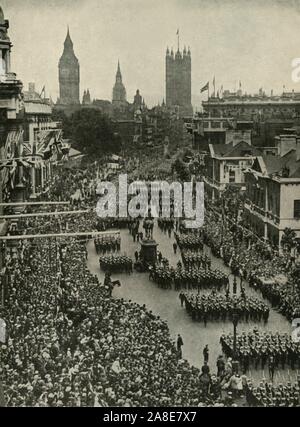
point(231, 175)
point(296, 208)
point(246, 153)
point(2, 62)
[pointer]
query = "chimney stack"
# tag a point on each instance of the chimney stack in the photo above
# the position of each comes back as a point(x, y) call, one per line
point(31, 87)
point(298, 148)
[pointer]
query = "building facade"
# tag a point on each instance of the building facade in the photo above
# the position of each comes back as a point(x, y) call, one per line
point(11, 102)
point(10, 126)
point(11, 87)
point(209, 129)
point(86, 98)
point(137, 101)
point(69, 75)
point(267, 115)
point(119, 92)
point(39, 130)
point(253, 107)
point(179, 81)
point(273, 195)
point(226, 165)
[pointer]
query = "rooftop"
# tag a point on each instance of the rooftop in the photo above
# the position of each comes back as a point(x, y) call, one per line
point(242, 149)
point(1, 16)
point(286, 166)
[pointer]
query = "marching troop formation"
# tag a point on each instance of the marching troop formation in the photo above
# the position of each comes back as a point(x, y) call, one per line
point(71, 344)
point(192, 278)
point(269, 395)
point(166, 223)
point(78, 346)
point(190, 241)
point(196, 259)
point(117, 222)
point(222, 307)
point(260, 349)
point(107, 243)
point(81, 347)
point(116, 263)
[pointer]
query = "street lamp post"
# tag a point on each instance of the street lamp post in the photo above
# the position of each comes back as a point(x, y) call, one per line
point(235, 321)
point(2, 341)
point(234, 285)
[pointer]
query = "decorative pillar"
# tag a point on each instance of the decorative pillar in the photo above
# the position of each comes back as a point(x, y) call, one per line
point(33, 182)
point(266, 210)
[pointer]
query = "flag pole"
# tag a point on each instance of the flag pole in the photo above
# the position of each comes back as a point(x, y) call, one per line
point(208, 114)
point(208, 100)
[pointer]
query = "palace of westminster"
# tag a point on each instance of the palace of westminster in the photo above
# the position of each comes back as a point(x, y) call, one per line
point(178, 84)
point(248, 141)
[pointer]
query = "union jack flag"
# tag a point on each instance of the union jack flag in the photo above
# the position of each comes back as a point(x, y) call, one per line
point(43, 146)
point(11, 151)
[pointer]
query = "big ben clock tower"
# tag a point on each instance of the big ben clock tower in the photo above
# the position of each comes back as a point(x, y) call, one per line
point(69, 75)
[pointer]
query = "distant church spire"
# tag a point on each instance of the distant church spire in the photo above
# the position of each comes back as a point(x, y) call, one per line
point(1, 16)
point(119, 74)
point(119, 91)
point(68, 44)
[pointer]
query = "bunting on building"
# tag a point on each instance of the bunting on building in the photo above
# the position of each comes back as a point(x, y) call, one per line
point(42, 148)
point(12, 150)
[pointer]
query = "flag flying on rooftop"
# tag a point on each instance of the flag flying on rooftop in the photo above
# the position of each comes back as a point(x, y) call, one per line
point(206, 87)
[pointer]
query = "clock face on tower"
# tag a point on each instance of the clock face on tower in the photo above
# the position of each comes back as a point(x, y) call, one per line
point(64, 72)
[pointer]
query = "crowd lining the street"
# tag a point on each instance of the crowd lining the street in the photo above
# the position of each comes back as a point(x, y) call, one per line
point(71, 344)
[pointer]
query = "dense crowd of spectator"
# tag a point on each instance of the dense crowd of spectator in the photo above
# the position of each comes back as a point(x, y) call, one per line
point(71, 344)
point(252, 259)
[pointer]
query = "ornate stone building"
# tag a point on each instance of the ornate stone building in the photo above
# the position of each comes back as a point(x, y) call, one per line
point(10, 87)
point(178, 81)
point(69, 75)
point(86, 99)
point(138, 100)
point(10, 126)
point(119, 91)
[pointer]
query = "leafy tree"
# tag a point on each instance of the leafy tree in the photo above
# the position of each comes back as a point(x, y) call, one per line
point(60, 115)
point(181, 170)
point(288, 239)
point(296, 274)
point(91, 132)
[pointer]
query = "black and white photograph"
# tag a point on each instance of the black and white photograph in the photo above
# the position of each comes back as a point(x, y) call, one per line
point(149, 206)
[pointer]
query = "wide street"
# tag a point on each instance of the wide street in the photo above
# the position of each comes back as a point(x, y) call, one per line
point(165, 303)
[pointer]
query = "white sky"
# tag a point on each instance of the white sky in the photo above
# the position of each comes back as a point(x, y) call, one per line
point(252, 41)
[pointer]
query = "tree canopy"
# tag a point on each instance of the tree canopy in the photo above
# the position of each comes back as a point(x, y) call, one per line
point(181, 169)
point(288, 238)
point(90, 131)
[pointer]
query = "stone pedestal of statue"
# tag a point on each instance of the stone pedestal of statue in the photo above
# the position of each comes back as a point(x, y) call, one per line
point(18, 196)
point(148, 251)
